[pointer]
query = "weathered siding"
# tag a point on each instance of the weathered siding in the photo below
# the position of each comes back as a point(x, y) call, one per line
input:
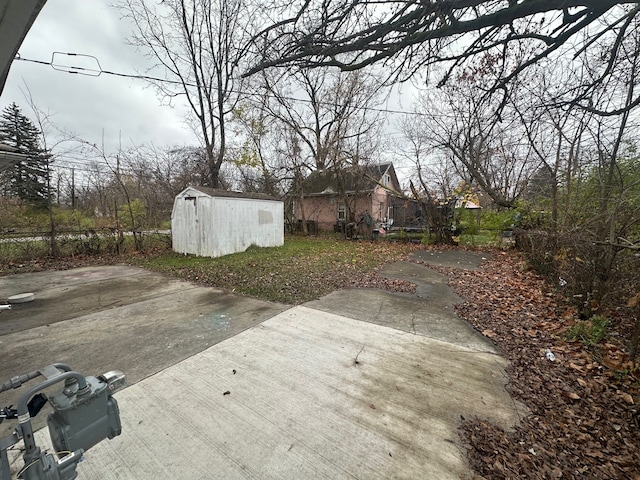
point(211, 226)
point(380, 204)
point(238, 223)
point(185, 219)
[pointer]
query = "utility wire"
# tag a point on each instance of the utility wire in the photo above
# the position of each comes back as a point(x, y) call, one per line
point(98, 70)
point(92, 72)
point(85, 164)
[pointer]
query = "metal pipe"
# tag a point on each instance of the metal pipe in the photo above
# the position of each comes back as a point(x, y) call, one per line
point(62, 366)
point(16, 382)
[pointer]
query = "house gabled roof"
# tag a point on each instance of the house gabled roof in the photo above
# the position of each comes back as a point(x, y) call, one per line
point(351, 180)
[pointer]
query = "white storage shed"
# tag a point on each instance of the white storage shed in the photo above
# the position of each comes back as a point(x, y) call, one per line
point(212, 223)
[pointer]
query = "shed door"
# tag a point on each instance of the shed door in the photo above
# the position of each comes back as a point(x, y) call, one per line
point(191, 224)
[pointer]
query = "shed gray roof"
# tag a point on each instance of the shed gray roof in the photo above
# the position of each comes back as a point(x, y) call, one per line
point(216, 192)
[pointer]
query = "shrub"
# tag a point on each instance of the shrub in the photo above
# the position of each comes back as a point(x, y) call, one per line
point(590, 332)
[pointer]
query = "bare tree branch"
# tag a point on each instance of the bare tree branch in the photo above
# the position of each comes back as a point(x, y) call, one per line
point(405, 36)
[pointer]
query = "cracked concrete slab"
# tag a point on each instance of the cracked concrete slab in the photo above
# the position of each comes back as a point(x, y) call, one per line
point(306, 394)
point(115, 317)
point(428, 312)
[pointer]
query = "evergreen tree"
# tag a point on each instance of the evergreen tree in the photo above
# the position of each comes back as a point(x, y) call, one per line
point(28, 179)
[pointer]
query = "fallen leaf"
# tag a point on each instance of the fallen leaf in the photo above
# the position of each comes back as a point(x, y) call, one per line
point(583, 420)
point(489, 333)
point(627, 398)
point(612, 363)
point(575, 367)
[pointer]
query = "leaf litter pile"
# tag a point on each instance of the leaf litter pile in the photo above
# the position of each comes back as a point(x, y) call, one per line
point(583, 419)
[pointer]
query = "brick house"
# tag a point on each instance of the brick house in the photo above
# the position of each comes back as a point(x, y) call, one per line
point(333, 200)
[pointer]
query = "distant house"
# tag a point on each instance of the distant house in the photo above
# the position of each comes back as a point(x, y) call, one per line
point(334, 199)
point(213, 223)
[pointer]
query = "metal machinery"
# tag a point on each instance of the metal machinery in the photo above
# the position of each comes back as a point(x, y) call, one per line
point(84, 413)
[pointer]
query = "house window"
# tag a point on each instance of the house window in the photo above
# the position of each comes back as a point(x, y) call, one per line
point(342, 212)
point(387, 180)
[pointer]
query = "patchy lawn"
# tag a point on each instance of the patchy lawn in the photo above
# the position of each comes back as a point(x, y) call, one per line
point(303, 269)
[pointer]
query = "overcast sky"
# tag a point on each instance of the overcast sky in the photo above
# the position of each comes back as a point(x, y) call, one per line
point(109, 106)
point(85, 105)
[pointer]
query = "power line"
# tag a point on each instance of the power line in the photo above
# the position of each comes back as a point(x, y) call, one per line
point(97, 70)
point(92, 72)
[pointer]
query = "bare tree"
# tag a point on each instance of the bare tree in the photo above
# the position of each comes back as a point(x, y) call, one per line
point(55, 142)
point(289, 150)
point(432, 167)
point(168, 170)
point(93, 193)
point(259, 167)
point(615, 215)
point(434, 180)
point(557, 137)
point(198, 44)
point(328, 118)
point(329, 111)
point(491, 155)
